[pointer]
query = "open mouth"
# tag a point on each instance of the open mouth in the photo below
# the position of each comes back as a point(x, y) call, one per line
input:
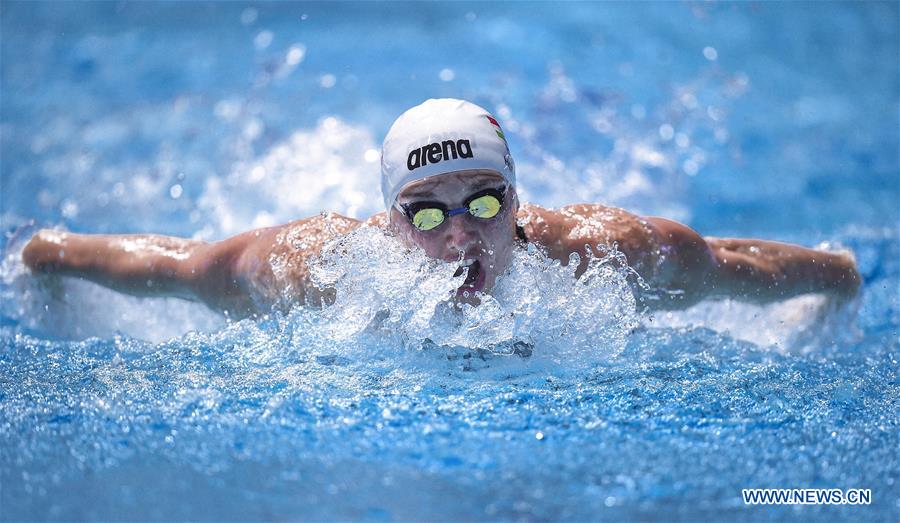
point(475, 277)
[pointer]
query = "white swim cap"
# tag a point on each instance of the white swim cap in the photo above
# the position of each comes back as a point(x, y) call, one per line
point(442, 136)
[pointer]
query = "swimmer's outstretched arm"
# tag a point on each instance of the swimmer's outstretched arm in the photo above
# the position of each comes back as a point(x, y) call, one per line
point(761, 270)
point(751, 270)
point(152, 265)
point(233, 276)
point(681, 267)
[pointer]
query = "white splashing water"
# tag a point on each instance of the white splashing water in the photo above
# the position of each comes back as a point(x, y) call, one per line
point(390, 302)
point(329, 167)
point(796, 325)
point(400, 299)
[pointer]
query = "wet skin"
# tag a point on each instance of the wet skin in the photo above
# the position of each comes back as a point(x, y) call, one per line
point(462, 237)
point(249, 273)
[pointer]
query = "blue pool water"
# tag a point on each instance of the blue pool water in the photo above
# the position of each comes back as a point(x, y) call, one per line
point(777, 120)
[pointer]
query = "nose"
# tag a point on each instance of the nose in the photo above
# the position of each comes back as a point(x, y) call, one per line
point(459, 234)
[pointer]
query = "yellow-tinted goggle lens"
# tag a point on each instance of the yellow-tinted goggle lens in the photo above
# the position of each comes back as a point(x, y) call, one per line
point(427, 219)
point(486, 206)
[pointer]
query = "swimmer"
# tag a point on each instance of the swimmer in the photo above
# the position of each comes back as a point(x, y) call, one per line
point(449, 188)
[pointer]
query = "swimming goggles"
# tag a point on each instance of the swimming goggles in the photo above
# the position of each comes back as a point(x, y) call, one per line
point(426, 216)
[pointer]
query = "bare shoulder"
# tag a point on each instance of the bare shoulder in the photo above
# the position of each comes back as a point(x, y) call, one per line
point(311, 234)
point(379, 220)
point(542, 226)
point(569, 228)
point(276, 266)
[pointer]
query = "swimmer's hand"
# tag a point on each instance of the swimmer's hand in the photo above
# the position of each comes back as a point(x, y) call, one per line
point(45, 252)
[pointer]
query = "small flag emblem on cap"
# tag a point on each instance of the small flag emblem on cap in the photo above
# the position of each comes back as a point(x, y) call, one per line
point(497, 129)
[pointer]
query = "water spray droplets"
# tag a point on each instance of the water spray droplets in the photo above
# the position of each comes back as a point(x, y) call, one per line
point(390, 297)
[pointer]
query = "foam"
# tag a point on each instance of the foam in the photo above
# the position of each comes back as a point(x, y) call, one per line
point(330, 166)
point(800, 324)
point(391, 302)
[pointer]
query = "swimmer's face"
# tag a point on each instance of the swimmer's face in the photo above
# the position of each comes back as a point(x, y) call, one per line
point(488, 241)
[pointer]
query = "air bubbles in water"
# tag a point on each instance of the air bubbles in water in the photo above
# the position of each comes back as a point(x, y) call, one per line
point(327, 81)
point(263, 39)
point(295, 54)
point(666, 132)
point(248, 16)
